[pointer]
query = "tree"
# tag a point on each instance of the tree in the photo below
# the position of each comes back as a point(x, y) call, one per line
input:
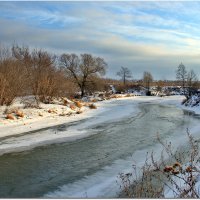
point(44, 79)
point(181, 75)
point(11, 81)
point(191, 81)
point(83, 69)
point(147, 79)
point(124, 73)
point(12, 77)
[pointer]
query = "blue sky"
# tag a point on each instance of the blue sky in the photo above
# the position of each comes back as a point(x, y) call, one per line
point(150, 36)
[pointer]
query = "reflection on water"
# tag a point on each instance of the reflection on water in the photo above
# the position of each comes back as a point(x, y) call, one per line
point(36, 172)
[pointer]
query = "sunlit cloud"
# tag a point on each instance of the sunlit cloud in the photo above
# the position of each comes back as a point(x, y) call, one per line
point(153, 36)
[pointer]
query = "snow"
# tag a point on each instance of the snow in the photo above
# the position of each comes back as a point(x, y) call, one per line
point(104, 113)
point(103, 183)
point(113, 89)
point(109, 110)
point(32, 120)
point(192, 104)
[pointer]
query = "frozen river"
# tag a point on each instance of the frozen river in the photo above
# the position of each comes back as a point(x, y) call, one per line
point(88, 167)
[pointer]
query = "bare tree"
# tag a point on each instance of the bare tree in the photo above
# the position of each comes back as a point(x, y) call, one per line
point(124, 73)
point(147, 79)
point(12, 77)
point(83, 69)
point(191, 81)
point(44, 78)
point(181, 75)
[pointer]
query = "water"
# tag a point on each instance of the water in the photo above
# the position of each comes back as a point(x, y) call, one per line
point(89, 165)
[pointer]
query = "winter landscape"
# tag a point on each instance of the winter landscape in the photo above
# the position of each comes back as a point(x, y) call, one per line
point(99, 99)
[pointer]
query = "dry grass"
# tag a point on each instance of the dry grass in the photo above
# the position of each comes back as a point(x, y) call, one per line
point(86, 104)
point(92, 106)
point(150, 180)
point(114, 96)
point(11, 110)
point(78, 104)
point(53, 111)
point(40, 114)
point(65, 102)
point(19, 113)
point(94, 100)
point(72, 107)
point(10, 116)
point(128, 95)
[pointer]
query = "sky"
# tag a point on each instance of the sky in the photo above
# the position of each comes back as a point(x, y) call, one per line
point(154, 36)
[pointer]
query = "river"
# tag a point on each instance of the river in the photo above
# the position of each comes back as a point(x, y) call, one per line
point(88, 167)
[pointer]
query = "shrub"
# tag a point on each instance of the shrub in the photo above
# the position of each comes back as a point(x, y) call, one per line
point(154, 176)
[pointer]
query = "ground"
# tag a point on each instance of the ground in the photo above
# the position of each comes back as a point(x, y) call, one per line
point(54, 114)
point(33, 121)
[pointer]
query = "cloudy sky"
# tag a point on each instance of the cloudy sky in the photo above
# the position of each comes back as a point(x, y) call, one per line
point(143, 36)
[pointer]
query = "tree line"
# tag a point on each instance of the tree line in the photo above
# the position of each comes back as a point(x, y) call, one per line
point(37, 72)
point(187, 79)
point(25, 71)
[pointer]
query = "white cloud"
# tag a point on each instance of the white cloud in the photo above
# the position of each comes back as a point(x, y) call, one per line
point(133, 34)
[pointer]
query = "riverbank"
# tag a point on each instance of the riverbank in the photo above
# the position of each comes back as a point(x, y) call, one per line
point(58, 129)
point(114, 137)
point(47, 116)
point(43, 118)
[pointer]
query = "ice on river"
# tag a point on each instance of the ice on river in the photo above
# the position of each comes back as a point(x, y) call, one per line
point(117, 122)
point(71, 131)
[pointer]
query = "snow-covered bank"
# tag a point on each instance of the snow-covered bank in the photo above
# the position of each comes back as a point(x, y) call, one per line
point(192, 104)
point(27, 124)
point(107, 111)
point(14, 139)
point(41, 118)
point(49, 115)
